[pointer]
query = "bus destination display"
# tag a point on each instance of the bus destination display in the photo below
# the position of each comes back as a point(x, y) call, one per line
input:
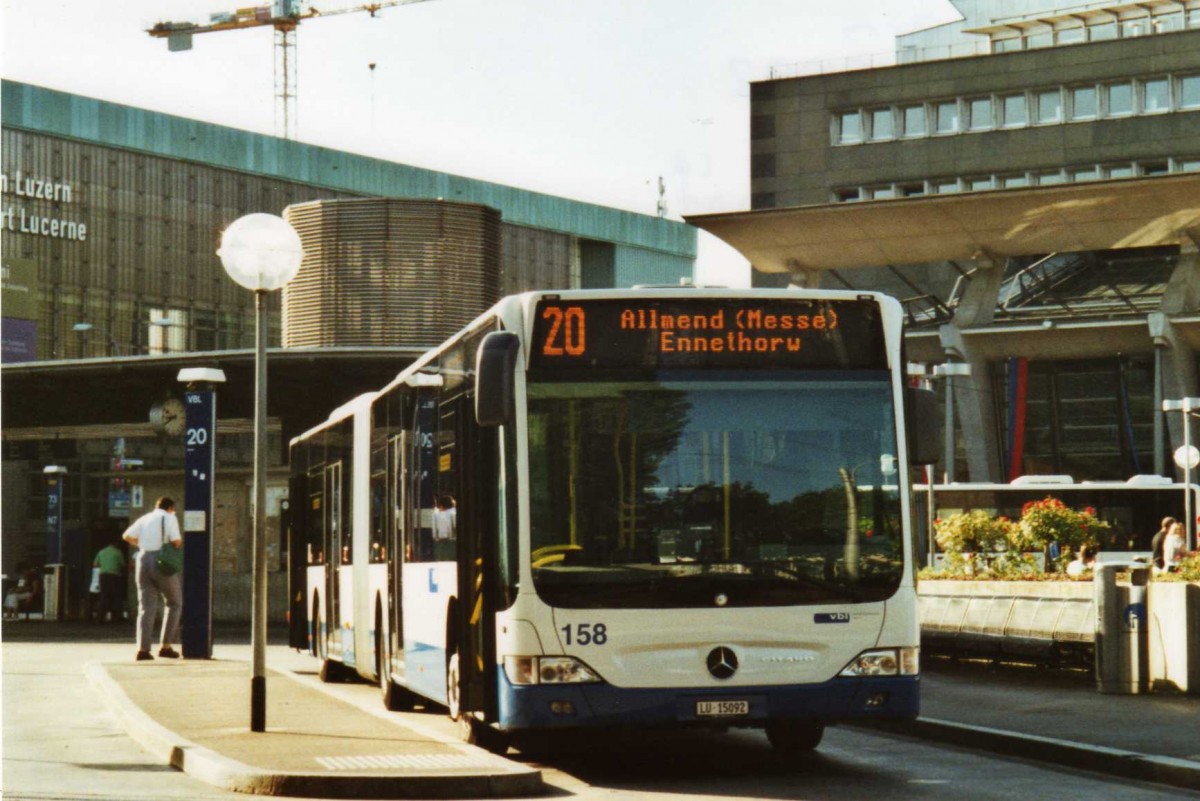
point(773, 333)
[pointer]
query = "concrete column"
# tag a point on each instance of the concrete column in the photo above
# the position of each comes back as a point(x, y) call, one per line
point(974, 406)
point(1178, 359)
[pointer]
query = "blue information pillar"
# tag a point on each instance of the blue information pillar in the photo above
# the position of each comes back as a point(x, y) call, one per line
point(55, 476)
point(200, 437)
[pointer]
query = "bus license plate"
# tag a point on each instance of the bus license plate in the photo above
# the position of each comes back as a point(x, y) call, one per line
point(722, 709)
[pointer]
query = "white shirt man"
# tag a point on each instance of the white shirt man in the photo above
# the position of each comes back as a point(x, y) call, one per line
point(150, 533)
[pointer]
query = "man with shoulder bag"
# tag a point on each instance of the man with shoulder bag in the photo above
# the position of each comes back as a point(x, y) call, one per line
point(159, 561)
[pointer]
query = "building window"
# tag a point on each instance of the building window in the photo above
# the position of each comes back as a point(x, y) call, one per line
point(1187, 165)
point(1135, 27)
point(1105, 30)
point(762, 126)
point(1118, 99)
point(882, 126)
point(1072, 35)
point(1155, 168)
point(1049, 106)
point(1016, 111)
point(1189, 91)
point(1014, 181)
point(167, 331)
point(1040, 39)
point(980, 109)
point(1119, 171)
point(1050, 178)
point(1156, 95)
point(846, 195)
point(850, 127)
point(980, 183)
point(912, 190)
point(1165, 23)
point(1008, 45)
point(947, 117)
point(946, 187)
point(1083, 103)
point(882, 193)
point(1085, 174)
point(914, 120)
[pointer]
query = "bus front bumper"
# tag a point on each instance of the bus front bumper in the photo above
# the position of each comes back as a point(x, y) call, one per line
point(601, 705)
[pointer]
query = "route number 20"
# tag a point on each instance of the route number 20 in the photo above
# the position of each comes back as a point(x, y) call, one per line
point(568, 331)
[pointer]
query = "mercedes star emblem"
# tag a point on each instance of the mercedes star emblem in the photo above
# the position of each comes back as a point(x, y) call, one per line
point(722, 662)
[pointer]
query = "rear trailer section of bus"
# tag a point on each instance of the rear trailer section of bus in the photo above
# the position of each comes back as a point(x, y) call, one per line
point(717, 522)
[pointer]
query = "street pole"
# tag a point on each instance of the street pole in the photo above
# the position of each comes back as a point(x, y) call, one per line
point(1190, 525)
point(258, 631)
point(947, 372)
point(1186, 457)
point(261, 252)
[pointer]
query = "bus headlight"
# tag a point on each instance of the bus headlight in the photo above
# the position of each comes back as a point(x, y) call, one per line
point(884, 662)
point(548, 670)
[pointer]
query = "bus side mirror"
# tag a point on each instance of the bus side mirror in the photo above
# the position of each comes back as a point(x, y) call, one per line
point(495, 375)
point(922, 425)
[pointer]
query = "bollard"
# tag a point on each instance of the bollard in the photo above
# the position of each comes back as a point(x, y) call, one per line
point(54, 591)
point(1122, 644)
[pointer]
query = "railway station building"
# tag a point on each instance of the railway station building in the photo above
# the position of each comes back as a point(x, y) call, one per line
point(1027, 181)
point(110, 221)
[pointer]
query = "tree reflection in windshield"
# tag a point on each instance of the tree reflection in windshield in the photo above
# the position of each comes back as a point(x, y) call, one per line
point(670, 494)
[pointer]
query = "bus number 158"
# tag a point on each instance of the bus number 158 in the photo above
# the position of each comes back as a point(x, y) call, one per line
point(585, 634)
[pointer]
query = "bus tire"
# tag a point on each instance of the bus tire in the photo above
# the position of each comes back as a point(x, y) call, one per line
point(480, 734)
point(794, 736)
point(332, 672)
point(314, 646)
point(453, 700)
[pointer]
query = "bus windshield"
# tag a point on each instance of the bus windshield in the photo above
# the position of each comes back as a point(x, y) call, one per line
point(738, 489)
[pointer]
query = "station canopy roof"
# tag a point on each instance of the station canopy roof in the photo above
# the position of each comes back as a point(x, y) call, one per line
point(1101, 215)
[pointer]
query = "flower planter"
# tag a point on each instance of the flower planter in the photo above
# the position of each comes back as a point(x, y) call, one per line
point(1043, 620)
point(1174, 618)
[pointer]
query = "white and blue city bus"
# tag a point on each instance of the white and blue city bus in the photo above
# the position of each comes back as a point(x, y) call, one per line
point(662, 507)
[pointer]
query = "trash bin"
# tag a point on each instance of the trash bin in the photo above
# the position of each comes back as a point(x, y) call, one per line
point(54, 591)
point(1122, 628)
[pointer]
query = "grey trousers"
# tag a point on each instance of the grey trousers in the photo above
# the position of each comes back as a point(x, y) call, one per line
point(151, 584)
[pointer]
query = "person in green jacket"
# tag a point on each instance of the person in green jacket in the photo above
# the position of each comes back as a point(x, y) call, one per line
point(111, 561)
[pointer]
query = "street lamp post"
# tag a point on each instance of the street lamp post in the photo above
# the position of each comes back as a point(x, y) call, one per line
point(261, 252)
point(1187, 457)
point(948, 371)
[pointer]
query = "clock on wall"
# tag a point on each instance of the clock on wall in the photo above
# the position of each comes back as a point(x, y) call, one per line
point(168, 416)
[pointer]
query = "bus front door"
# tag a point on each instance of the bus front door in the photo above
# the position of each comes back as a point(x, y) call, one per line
point(476, 537)
point(333, 564)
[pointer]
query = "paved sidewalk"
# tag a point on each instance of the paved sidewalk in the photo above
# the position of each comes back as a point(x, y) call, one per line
point(195, 715)
point(1058, 716)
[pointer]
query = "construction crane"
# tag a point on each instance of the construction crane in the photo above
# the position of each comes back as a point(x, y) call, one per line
point(282, 15)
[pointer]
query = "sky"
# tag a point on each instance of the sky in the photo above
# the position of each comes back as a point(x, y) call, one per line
point(588, 99)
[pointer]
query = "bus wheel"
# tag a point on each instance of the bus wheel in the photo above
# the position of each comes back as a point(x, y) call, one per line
point(793, 736)
point(314, 646)
point(331, 672)
point(480, 734)
point(453, 701)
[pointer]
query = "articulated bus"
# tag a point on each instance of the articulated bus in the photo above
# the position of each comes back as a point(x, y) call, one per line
point(1134, 509)
point(649, 507)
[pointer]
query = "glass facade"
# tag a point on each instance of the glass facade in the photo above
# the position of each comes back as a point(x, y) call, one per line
point(1090, 419)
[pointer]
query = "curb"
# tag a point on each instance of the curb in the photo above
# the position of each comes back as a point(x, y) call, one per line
point(229, 774)
point(1171, 771)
